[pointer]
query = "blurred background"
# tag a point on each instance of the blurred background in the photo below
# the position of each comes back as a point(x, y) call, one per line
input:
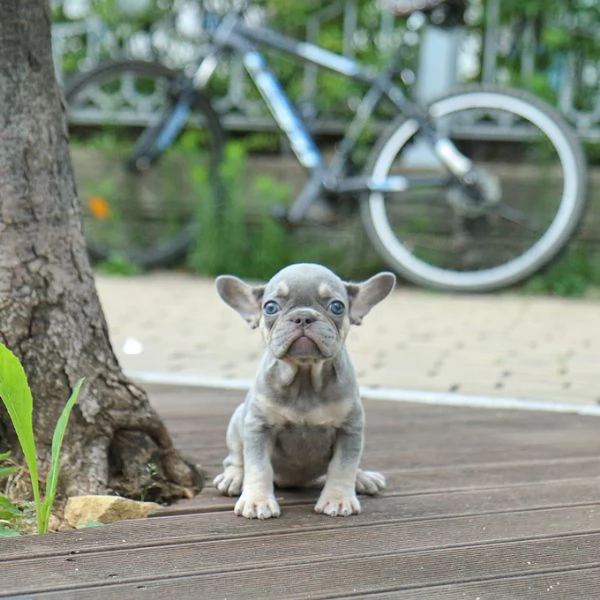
point(522, 344)
point(550, 47)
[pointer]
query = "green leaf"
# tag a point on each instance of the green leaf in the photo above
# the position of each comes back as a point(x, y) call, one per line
point(4, 455)
point(557, 37)
point(8, 509)
point(8, 532)
point(16, 395)
point(6, 515)
point(6, 471)
point(57, 440)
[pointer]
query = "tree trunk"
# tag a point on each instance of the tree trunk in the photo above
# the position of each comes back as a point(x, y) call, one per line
point(50, 315)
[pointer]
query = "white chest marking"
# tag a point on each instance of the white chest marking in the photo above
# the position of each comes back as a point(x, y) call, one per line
point(332, 414)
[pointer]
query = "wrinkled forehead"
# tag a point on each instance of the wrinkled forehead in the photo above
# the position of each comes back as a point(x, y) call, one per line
point(305, 283)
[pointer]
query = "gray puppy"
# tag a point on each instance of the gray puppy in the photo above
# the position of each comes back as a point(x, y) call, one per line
point(303, 417)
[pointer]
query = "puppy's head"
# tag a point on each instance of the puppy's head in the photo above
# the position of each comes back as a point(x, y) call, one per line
point(305, 310)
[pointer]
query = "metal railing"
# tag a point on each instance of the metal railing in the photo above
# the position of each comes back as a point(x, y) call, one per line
point(485, 46)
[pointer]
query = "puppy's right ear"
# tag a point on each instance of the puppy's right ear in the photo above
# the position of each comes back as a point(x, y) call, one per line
point(243, 298)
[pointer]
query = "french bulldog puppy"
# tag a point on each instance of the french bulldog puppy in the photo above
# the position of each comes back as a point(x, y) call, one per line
point(303, 417)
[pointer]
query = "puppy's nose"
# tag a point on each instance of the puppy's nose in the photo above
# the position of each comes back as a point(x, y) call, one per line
point(303, 318)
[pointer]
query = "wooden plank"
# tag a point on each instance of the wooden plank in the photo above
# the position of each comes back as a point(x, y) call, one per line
point(263, 547)
point(170, 530)
point(399, 435)
point(575, 584)
point(506, 497)
point(473, 495)
point(492, 474)
point(412, 481)
point(283, 570)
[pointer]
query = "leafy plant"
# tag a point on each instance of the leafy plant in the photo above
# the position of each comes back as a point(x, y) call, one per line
point(238, 234)
point(118, 265)
point(230, 234)
point(572, 275)
point(8, 510)
point(16, 396)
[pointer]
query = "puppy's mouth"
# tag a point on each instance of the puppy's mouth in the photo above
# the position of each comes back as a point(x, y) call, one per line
point(303, 345)
point(304, 342)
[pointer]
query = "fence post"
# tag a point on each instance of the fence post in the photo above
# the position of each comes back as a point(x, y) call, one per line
point(436, 74)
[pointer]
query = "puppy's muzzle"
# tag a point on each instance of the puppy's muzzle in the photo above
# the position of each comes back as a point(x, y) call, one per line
point(304, 339)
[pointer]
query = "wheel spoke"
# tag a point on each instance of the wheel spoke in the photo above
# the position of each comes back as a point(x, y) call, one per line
point(518, 217)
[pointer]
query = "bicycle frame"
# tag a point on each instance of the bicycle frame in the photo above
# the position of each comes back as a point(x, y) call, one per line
point(232, 34)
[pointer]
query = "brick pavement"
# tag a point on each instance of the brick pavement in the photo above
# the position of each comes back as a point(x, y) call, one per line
point(503, 345)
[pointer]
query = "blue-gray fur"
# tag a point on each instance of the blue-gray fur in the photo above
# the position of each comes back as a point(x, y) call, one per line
point(303, 417)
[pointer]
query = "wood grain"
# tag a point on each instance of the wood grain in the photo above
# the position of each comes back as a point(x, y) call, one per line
point(500, 505)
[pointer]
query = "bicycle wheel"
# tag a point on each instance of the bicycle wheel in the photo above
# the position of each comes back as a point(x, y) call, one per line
point(533, 178)
point(145, 215)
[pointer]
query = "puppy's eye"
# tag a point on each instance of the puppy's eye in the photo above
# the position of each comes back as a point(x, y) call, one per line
point(337, 308)
point(271, 308)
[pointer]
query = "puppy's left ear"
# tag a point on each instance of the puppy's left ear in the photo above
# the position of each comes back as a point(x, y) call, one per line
point(364, 296)
point(243, 298)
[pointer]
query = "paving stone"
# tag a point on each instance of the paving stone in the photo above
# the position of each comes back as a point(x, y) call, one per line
point(504, 344)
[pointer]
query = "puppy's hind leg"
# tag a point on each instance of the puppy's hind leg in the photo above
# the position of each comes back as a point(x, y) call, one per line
point(230, 481)
point(369, 482)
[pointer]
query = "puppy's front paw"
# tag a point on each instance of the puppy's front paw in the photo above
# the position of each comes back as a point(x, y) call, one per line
point(369, 482)
point(256, 506)
point(338, 505)
point(229, 482)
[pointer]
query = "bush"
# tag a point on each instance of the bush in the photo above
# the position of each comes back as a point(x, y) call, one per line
point(572, 275)
point(238, 234)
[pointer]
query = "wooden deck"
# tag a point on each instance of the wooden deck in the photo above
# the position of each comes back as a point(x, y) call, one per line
point(486, 504)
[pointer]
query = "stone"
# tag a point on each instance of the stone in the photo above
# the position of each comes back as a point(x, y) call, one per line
point(80, 510)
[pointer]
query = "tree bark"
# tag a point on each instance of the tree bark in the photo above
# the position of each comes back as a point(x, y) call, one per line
point(50, 315)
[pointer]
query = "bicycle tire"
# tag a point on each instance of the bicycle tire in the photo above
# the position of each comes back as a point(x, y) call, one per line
point(563, 227)
point(158, 252)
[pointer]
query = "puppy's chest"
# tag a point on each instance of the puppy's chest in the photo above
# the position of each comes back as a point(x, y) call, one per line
point(304, 411)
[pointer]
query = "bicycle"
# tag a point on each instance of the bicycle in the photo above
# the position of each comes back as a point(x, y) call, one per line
point(445, 196)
